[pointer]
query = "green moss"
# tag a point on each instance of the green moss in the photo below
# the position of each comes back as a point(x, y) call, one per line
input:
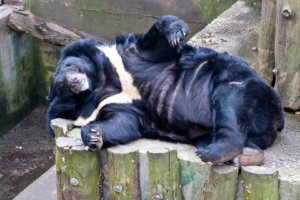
point(187, 174)
point(164, 174)
point(17, 92)
point(45, 59)
point(123, 169)
point(73, 167)
point(9, 31)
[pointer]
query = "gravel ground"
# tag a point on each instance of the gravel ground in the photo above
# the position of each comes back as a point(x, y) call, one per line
point(284, 154)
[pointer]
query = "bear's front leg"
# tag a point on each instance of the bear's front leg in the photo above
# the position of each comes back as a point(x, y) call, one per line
point(116, 128)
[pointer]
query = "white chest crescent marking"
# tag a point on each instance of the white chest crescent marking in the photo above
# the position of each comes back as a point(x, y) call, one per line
point(236, 83)
point(129, 91)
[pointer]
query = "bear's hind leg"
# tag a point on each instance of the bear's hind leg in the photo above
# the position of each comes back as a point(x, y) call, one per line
point(228, 141)
point(252, 155)
point(203, 141)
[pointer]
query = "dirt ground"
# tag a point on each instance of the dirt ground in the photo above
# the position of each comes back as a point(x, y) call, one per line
point(26, 152)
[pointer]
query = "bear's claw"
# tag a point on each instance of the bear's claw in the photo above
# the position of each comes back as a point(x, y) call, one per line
point(92, 137)
point(174, 29)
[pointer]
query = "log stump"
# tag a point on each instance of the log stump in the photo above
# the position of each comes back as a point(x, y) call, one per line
point(164, 173)
point(61, 127)
point(77, 170)
point(260, 183)
point(221, 183)
point(123, 165)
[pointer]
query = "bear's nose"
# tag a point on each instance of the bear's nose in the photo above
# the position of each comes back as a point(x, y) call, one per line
point(74, 81)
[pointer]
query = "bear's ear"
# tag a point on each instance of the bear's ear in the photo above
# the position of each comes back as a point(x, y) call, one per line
point(50, 96)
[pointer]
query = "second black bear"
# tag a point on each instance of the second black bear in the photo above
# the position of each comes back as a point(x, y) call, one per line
point(153, 86)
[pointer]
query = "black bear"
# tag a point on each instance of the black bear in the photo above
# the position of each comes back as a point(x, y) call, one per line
point(153, 86)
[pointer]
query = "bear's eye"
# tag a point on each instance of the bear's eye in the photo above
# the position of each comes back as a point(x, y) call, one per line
point(73, 68)
point(62, 86)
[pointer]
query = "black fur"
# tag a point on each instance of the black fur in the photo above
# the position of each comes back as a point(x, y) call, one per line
point(188, 94)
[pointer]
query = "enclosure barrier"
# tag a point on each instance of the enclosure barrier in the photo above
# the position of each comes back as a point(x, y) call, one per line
point(152, 169)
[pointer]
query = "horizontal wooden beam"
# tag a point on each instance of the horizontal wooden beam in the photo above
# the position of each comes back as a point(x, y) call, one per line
point(46, 30)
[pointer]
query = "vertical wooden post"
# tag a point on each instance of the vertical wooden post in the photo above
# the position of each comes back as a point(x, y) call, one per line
point(78, 170)
point(260, 183)
point(221, 183)
point(287, 51)
point(164, 173)
point(123, 165)
point(266, 41)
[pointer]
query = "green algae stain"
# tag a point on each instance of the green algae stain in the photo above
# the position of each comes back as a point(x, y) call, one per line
point(45, 59)
point(187, 174)
point(16, 79)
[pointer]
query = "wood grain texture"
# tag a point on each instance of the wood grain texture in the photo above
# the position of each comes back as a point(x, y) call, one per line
point(260, 183)
point(266, 41)
point(46, 30)
point(221, 183)
point(164, 173)
point(123, 166)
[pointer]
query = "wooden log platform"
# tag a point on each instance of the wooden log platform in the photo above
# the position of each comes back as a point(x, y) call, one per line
point(152, 169)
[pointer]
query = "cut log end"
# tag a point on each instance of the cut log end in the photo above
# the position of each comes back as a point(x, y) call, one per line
point(259, 170)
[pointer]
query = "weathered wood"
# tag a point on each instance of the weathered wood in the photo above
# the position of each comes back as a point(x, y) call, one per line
point(164, 173)
point(266, 41)
point(260, 183)
point(78, 170)
point(287, 51)
point(123, 172)
point(61, 126)
point(46, 30)
point(221, 183)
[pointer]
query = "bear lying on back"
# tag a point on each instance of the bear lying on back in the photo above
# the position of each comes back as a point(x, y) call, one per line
point(153, 86)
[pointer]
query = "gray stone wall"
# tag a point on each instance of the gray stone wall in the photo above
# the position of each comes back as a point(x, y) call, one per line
point(17, 81)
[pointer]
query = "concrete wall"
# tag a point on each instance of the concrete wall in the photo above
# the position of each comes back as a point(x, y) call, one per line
point(17, 80)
